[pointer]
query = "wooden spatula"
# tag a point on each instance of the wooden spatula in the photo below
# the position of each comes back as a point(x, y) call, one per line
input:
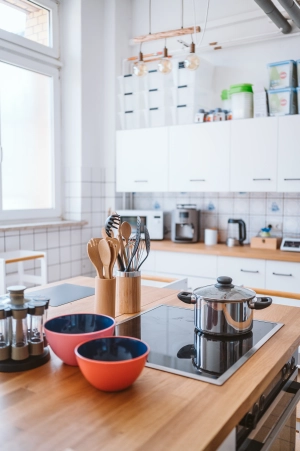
point(106, 257)
point(93, 253)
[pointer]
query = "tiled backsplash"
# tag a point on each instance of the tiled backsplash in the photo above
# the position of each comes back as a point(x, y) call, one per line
point(256, 209)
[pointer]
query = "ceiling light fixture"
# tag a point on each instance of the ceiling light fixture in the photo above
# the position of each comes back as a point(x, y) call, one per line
point(164, 64)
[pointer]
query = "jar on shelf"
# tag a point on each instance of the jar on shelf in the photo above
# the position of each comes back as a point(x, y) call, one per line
point(241, 101)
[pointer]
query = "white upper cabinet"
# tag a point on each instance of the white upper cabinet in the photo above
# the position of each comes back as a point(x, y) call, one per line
point(254, 154)
point(289, 154)
point(199, 157)
point(142, 160)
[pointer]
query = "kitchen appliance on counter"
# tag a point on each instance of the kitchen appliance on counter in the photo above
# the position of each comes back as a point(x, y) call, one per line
point(176, 347)
point(290, 244)
point(236, 232)
point(152, 219)
point(185, 224)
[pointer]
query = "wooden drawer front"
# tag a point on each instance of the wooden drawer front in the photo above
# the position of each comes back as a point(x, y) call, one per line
point(283, 276)
point(186, 264)
point(243, 271)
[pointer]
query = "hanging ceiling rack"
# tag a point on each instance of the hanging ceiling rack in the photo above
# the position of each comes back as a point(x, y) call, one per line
point(166, 34)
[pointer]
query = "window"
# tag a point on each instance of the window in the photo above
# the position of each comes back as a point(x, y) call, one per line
point(29, 124)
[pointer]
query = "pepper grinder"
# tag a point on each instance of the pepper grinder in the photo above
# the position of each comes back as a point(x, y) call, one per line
point(5, 314)
point(36, 339)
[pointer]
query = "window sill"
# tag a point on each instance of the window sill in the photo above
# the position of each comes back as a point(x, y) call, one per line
point(41, 225)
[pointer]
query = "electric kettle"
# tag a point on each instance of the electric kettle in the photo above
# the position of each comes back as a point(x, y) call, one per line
point(236, 233)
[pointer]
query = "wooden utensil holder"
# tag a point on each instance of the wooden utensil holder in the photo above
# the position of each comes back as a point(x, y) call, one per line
point(129, 291)
point(105, 296)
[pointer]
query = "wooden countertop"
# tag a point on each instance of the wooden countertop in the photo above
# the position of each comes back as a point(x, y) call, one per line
point(54, 408)
point(225, 251)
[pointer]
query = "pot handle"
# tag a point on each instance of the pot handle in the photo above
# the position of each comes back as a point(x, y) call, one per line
point(260, 303)
point(187, 297)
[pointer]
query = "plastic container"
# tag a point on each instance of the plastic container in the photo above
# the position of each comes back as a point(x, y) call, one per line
point(130, 83)
point(282, 102)
point(133, 119)
point(158, 98)
point(298, 96)
point(158, 117)
point(210, 116)
point(298, 72)
point(202, 77)
point(226, 102)
point(156, 80)
point(133, 101)
point(241, 101)
point(200, 116)
point(219, 115)
point(185, 114)
point(282, 74)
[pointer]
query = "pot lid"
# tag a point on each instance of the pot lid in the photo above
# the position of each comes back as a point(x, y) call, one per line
point(225, 291)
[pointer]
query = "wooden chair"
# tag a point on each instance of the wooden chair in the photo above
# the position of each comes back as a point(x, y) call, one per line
point(19, 257)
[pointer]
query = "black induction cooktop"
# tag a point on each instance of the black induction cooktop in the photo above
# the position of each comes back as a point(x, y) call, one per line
point(176, 347)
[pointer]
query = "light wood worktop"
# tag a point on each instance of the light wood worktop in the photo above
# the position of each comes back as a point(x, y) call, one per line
point(225, 251)
point(54, 408)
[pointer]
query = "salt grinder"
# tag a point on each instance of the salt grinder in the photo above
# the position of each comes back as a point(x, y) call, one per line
point(5, 315)
point(36, 338)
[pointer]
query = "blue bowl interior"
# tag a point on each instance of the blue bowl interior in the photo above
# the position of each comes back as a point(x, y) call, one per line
point(112, 349)
point(80, 323)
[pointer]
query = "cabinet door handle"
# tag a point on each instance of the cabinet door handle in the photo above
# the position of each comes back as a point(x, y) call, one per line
point(247, 270)
point(290, 180)
point(279, 274)
point(197, 180)
point(258, 180)
point(141, 181)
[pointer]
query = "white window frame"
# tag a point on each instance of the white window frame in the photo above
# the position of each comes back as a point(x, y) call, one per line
point(20, 41)
point(45, 68)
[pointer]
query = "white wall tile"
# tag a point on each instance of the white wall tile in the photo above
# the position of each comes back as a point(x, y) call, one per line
point(40, 241)
point(65, 271)
point(65, 254)
point(27, 242)
point(52, 239)
point(86, 174)
point(86, 234)
point(75, 205)
point(64, 237)
point(76, 252)
point(75, 236)
point(225, 206)
point(76, 268)
point(275, 206)
point(53, 273)
point(97, 205)
point(1, 244)
point(292, 207)
point(86, 189)
point(86, 204)
point(53, 256)
point(258, 206)
point(241, 206)
point(98, 174)
point(12, 243)
point(75, 189)
point(97, 189)
point(291, 224)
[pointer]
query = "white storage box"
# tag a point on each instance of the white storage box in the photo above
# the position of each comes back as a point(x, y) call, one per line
point(133, 119)
point(282, 101)
point(158, 117)
point(282, 74)
point(202, 78)
point(133, 101)
point(186, 114)
point(156, 80)
point(260, 101)
point(298, 72)
point(158, 98)
point(131, 83)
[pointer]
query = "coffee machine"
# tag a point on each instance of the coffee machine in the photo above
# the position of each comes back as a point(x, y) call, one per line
point(185, 223)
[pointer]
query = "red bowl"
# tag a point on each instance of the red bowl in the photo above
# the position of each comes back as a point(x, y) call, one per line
point(113, 363)
point(65, 332)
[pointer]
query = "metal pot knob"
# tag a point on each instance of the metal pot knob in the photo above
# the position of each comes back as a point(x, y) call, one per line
point(224, 282)
point(187, 297)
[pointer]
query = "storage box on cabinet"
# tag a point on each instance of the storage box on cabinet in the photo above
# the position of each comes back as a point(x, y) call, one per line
point(186, 264)
point(243, 271)
point(283, 276)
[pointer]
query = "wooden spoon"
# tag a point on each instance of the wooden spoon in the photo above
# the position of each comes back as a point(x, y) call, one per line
point(93, 253)
point(106, 257)
point(126, 231)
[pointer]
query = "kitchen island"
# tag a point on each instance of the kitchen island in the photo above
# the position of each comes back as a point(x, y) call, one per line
point(54, 408)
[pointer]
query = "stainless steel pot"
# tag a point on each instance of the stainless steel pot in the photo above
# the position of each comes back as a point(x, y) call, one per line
point(223, 308)
point(216, 354)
